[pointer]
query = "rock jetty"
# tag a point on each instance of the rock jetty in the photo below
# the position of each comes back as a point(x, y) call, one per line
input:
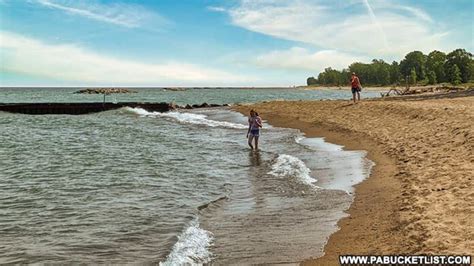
point(94, 107)
point(105, 91)
point(175, 89)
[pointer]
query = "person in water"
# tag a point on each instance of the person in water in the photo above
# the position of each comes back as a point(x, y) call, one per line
point(356, 87)
point(255, 123)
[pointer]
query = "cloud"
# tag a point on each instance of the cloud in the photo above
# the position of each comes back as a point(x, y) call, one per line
point(216, 9)
point(298, 58)
point(349, 27)
point(125, 15)
point(420, 14)
point(66, 62)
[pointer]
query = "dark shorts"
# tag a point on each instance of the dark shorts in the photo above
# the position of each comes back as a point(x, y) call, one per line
point(354, 90)
point(255, 132)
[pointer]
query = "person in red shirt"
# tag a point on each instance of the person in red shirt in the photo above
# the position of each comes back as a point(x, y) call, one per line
point(356, 87)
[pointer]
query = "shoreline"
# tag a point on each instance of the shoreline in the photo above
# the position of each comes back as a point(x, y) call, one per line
point(416, 199)
point(463, 86)
point(344, 87)
point(351, 226)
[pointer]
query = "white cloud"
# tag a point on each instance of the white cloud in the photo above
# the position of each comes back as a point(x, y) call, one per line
point(298, 58)
point(125, 15)
point(216, 9)
point(342, 26)
point(66, 62)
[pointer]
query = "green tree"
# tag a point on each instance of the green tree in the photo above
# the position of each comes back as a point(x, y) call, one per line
point(414, 60)
point(381, 72)
point(432, 77)
point(322, 78)
point(435, 62)
point(362, 71)
point(412, 77)
point(463, 60)
point(331, 77)
point(415, 67)
point(311, 81)
point(345, 77)
point(394, 72)
point(472, 70)
point(454, 74)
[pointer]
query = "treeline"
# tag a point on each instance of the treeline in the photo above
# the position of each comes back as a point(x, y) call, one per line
point(416, 68)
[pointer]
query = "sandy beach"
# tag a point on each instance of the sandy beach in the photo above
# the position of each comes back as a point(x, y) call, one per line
point(418, 198)
point(368, 88)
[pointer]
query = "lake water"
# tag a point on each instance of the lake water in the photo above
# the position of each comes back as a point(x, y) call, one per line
point(131, 186)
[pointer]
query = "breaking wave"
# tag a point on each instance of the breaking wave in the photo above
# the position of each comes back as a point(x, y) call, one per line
point(184, 117)
point(287, 165)
point(192, 247)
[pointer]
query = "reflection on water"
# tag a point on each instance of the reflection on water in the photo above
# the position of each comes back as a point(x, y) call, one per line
point(255, 159)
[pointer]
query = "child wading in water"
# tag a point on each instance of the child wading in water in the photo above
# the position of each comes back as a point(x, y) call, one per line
point(255, 123)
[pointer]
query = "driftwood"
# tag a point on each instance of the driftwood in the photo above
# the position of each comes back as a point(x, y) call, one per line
point(396, 91)
point(419, 90)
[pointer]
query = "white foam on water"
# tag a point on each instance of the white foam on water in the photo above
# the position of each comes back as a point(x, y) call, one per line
point(339, 169)
point(137, 111)
point(185, 117)
point(287, 165)
point(192, 247)
point(318, 144)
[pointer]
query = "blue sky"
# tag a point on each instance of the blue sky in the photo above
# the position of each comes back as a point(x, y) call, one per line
point(215, 42)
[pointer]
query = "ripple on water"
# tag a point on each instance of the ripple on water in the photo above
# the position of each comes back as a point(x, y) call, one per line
point(123, 187)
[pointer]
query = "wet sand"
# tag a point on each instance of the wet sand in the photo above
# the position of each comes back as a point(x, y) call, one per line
point(418, 198)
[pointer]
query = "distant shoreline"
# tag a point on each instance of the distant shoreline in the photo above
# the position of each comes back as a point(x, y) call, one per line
point(296, 87)
point(387, 88)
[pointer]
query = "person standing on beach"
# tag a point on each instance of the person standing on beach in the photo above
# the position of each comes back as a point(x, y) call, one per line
point(255, 123)
point(355, 87)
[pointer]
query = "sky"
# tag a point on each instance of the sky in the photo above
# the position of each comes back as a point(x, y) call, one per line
point(216, 42)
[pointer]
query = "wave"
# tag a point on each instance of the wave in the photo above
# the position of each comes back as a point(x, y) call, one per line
point(287, 165)
point(184, 117)
point(346, 168)
point(192, 247)
point(137, 111)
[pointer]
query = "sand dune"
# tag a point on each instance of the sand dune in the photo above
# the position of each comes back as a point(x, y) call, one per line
point(419, 199)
